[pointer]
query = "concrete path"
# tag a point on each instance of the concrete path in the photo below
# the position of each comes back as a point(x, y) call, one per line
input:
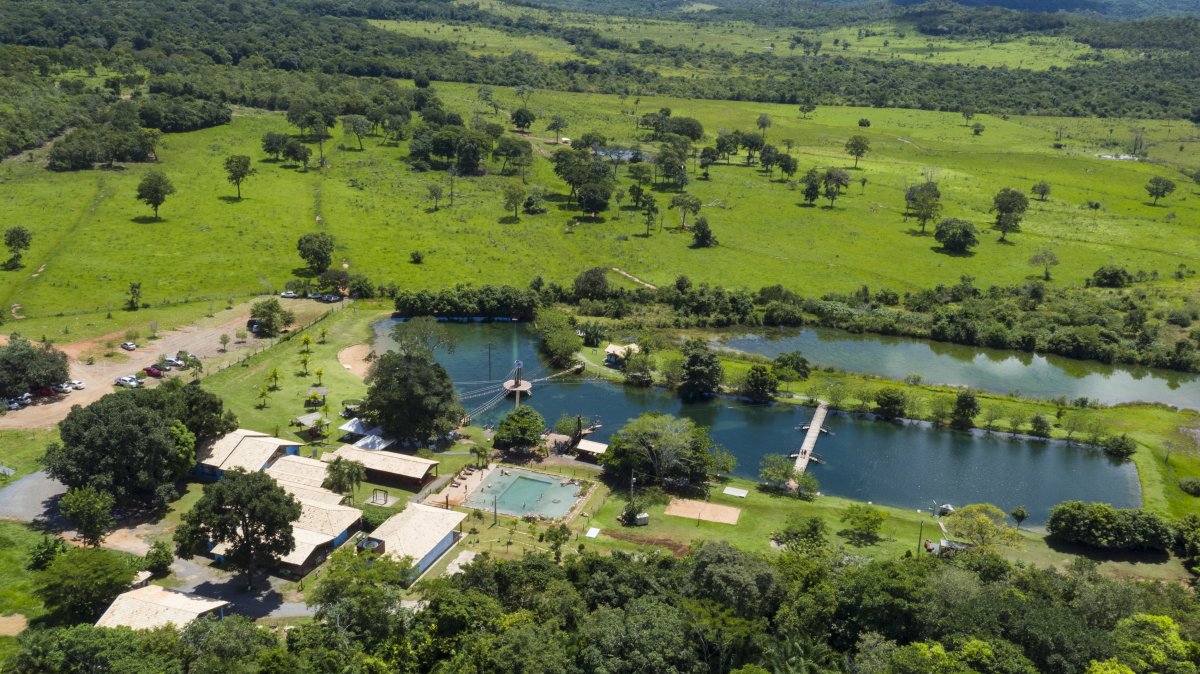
point(33, 497)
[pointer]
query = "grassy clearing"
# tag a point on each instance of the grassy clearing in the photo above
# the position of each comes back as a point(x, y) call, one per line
point(94, 239)
point(17, 585)
point(22, 450)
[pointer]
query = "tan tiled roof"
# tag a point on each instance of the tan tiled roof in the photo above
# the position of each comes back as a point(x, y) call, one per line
point(154, 606)
point(404, 465)
point(417, 530)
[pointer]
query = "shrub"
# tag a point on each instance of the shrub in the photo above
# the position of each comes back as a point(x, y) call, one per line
point(1190, 485)
point(1111, 276)
point(1120, 446)
point(416, 257)
point(1099, 525)
point(158, 558)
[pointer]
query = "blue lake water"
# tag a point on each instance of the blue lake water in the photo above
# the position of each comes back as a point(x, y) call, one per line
point(996, 370)
point(904, 465)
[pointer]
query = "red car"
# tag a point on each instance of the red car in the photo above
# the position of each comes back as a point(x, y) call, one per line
point(153, 371)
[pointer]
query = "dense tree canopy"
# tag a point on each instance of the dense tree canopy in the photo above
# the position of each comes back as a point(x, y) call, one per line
point(26, 367)
point(411, 397)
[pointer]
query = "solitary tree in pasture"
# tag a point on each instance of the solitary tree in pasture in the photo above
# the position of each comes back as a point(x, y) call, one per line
point(764, 123)
point(968, 113)
point(296, 151)
point(834, 182)
point(978, 129)
point(1019, 514)
point(788, 165)
point(649, 211)
point(237, 170)
point(17, 239)
point(857, 147)
point(318, 129)
point(789, 143)
point(702, 234)
point(274, 143)
point(316, 249)
point(154, 189)
point(1044, 258)
point(357, 126)
point(955, 235)
point(1159, 187)
point(557, 124)
point(812, 186)
point(435, 192)
point(863, 524)
point(523, 119)
point(514, 197)
point(1009, 205)
point(687, 205)
point(807, 108)
point(247, 512)
point(524, 92)
point(1041, 189)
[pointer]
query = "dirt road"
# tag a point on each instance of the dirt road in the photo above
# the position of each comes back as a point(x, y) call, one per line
point(202, 338)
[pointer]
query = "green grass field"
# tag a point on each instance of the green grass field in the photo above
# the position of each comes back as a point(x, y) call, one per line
point(91, 237)
point(884, 40)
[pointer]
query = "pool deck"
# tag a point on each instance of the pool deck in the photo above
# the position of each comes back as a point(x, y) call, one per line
point(466, 485)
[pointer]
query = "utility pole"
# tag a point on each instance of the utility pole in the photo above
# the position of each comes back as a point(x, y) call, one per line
point(920, 537)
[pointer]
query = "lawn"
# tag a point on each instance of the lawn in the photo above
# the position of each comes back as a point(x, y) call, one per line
point(23, 449)
point(17, 584)
point(91, 238)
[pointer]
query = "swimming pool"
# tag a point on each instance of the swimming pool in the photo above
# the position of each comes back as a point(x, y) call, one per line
point(517, 492)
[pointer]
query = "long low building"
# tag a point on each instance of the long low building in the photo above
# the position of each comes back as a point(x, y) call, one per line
point(302, 477)
point(152, 606)
point(249, 450)
point(387, 467)
point(319, 530)
point(421, 532)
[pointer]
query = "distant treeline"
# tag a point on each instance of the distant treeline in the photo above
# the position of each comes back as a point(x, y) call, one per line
point(1106, 325)
point(240, 52)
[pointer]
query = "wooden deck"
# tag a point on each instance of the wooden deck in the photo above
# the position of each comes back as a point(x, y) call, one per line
point(810, 439)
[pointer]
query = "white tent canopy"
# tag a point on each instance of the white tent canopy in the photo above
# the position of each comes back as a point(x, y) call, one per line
point(357, 426)
point(374, 442)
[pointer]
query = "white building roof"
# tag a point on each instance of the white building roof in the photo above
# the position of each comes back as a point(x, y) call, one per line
point(416, 531)
point(317, 494)
point(307, 543)
point(592, 447)
point(359, 427)
point(153, 606)
point(298, 469)
point(404, 465)
point(326, 518)
point(373, 442)
point(249, 450)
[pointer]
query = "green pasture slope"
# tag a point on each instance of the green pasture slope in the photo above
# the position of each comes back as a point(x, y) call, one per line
point(93, 238)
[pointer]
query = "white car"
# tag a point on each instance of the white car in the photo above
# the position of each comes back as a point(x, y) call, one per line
point(64, 387)
point(173, 362)
point(288, 294)
point(128, 346)
point(129, 381)
point(77, 385)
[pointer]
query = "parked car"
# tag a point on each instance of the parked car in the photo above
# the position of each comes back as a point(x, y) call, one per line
point(153, 371)
point(64, 387)
point(173, 362)
point(24, 399)
point(253, 325)
point(288, 294)
point(12, 404)
point(314, 296)
point(77, 385)
point(129, 381)
point(128, 346)
point(331, 298)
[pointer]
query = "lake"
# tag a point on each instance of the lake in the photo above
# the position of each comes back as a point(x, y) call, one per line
point(901, 464)
point(996, 370)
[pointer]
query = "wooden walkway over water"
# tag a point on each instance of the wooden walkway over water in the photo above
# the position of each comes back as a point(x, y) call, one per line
point(810, 439)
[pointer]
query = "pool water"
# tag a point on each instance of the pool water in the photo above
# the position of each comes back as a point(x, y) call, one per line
point(517, 492)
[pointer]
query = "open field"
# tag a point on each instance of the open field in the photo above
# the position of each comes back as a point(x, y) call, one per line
point(91, 238)
point(881, 40)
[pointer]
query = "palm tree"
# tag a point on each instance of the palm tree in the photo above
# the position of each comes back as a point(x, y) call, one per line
point(274, 375)
point(322, 335)
point(306, 342)
point(481, 454)
point(344, 476)
point(320, 372)
point(303, 362)
point(263, 394)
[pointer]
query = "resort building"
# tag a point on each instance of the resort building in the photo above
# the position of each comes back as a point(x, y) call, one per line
point(249, 450)
point(421, 532)
point(152, 606)
point(388, 467)
point(302, 477)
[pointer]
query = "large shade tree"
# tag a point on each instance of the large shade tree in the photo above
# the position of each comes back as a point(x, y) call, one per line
point(411, 397)
point(659, 447)
point(247, 512)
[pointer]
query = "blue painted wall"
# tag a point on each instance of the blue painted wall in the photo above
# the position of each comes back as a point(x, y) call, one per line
point(437, 551)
